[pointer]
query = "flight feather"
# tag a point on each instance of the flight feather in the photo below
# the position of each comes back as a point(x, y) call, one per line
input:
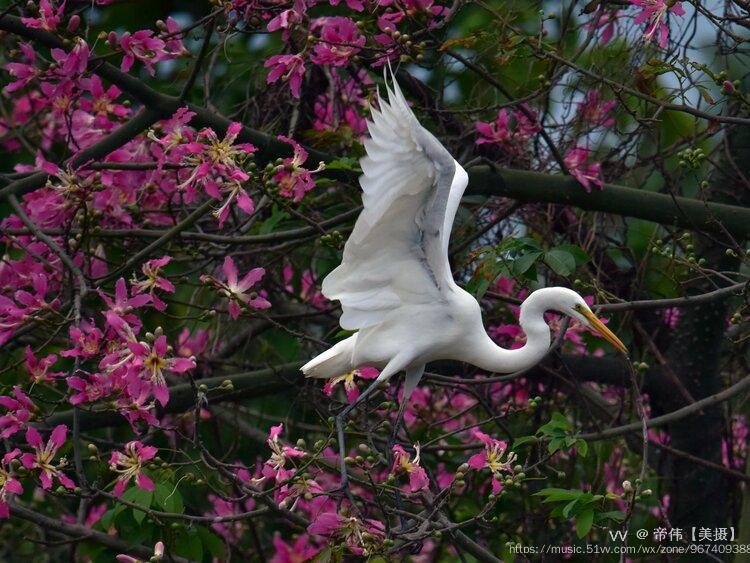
point(397, 253)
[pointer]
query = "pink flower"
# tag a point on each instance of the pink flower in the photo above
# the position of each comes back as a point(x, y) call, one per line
point(586, 174)
point(671, 316)
point(94, 515)
point(217, 165)
point(654, 12)
point(158, 555)
point(339, 41)
point(154, 280)
point(350, 530)
point(512, 135)
point(18, 412)
point(191, 345)
point(293, 179)
point(275, 466)
point(607, 21)
point(70, 64)
point(290, 68)
point(86, 339)
point(235, 289)
point(102, 102)
point(310, 292)
point(340, 108)
point(15, 312)
point(298, 552)
point(418, 480)
point(49, 17)
point(492, 458)
point(509, 335)
point(734, 448)
point(350, 384)
point(9, 485)
point(231, 531)
point(594, 112)
point(39, 367)
point(119, 314)
point(90, 388)
point(129, 464)
point(136, 405)
point(450, 410)
point(287, 19)
point(23, 73)
point(172, 34)
point(151, 362)
point(355, 5)
point(41, 459)
point(144, 47)
point(175, 133)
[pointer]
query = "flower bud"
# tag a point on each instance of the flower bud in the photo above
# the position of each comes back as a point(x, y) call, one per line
point(73, 23)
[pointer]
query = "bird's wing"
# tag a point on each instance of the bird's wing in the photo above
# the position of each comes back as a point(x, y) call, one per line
point(398, 252)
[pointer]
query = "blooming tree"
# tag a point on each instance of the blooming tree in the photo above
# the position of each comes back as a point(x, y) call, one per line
point(179, 178)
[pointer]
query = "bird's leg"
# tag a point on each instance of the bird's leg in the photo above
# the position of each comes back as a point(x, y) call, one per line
point(413, 375)
point(389, 459)
point(340, 420)
point(394, 435)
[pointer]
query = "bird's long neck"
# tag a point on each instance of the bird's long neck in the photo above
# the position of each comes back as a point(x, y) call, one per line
point(494, 358)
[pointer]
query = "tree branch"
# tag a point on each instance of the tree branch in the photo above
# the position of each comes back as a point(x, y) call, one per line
point(522, 185)
point(536, 187)
point(181, 397)
point(84, 534)
point(673, 416)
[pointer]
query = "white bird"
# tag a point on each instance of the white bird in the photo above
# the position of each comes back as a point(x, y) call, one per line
point(395, 283)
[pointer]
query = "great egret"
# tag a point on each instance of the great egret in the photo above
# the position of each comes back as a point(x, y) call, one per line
point(395, 283)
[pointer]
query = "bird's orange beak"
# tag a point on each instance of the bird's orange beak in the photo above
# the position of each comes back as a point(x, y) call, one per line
point(607, 334)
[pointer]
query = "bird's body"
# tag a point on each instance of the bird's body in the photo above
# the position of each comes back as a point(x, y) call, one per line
point(395, 283)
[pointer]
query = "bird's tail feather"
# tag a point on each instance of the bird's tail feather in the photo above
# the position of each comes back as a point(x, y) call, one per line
point(337, 360)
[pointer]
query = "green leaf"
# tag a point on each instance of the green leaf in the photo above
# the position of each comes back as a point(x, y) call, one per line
point(562, 263)
point(128, 528)
point(580, 255)
point(323, 556)
point(584, 521)
point(569, 507)
point(140, 497)
point(188, 544)
point(554, 494)
point(557, 425)
point(212, 543)
point(554, 445)
point(345, 163)
point(480, 287)
point(168, 498)
point(559, 419)
point(582, 448)
point(343, 333)
point(107, 518)
point(270, 224)
point(524, 262)
point(520, 441)
point(615, 515)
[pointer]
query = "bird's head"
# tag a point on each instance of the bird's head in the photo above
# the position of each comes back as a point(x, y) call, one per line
point(568, 302)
